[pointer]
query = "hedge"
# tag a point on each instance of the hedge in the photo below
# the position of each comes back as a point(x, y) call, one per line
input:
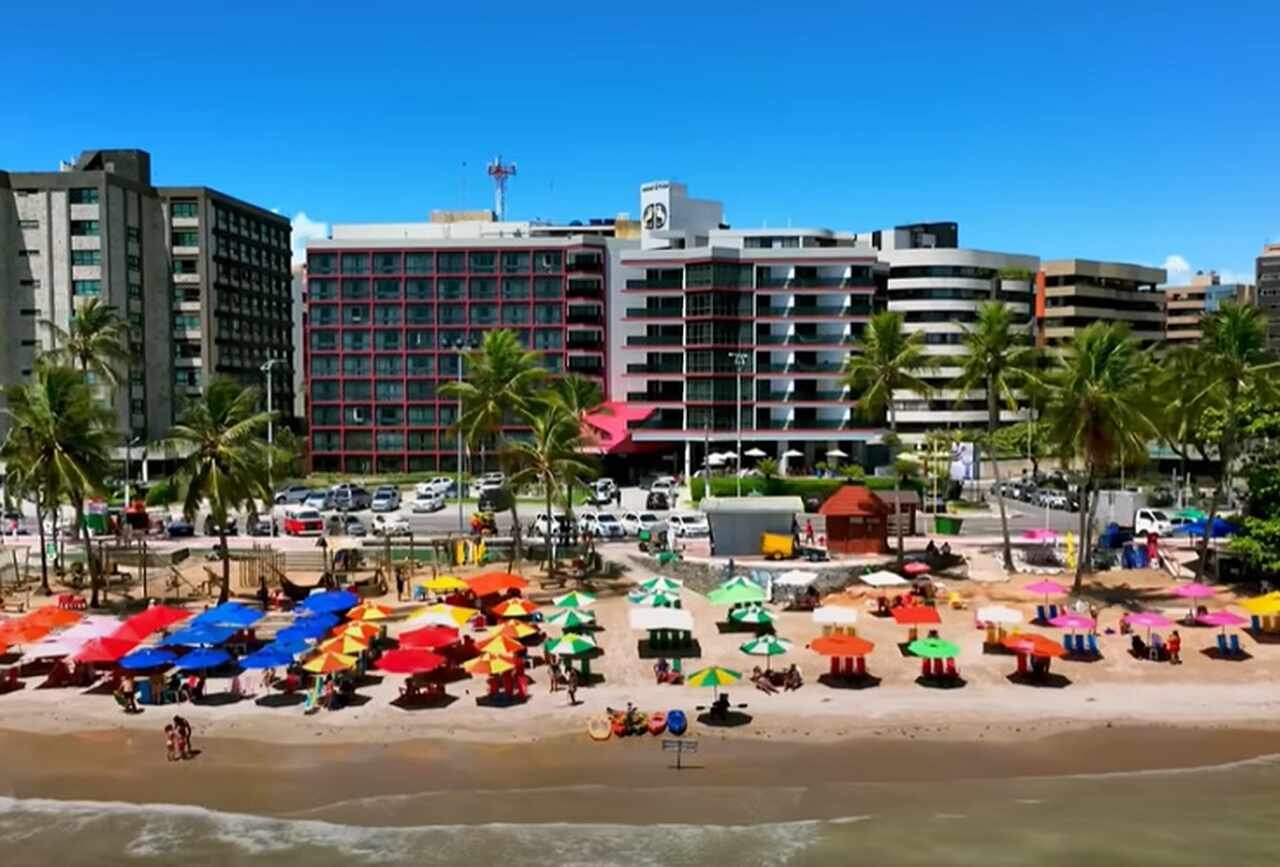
point(161, 494)
point(803, 487)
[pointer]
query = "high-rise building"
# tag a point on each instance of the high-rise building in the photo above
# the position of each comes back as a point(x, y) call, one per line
point(1074, 293)
point(1268, 292)
point(1185, 306)
point(390, 307)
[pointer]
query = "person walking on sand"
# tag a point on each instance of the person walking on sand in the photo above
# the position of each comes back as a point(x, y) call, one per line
point(183, 729)
point(170, 744)
point(399, 584)
point(571, 686)
point(1174, 646)
point(553, 672)
point(808, 532)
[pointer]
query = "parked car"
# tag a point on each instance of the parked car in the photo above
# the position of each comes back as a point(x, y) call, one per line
point(351, 499)
point(1151, 521)
point(663, 484)
point(602, 492)
point(390, 525)
point(257, 525)
point(602, 525)
point(489, 481)
point(180, 528)
point(353, 526)
point(442, 485)
point(321, 501)
point(427, 502)
point(292, 495)
point(211, 526)
point(539, 526)
point(687, 524)
point(634, 522)
point(385, 499)
point(303, 521)
point(658, 500)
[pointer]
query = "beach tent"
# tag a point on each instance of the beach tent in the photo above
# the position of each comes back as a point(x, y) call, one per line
point(572, 618)
point(916, 615)
point(835, 615)
point(738, 594)
point(847, 652)
point(883, 578)
point(753, 615)
point(646, 619)
point(796, 578)
point(999, 614)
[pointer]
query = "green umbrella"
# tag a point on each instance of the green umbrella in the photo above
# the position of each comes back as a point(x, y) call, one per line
point(739, 594)
point(575, 599)
point(654, 600)
point(571, 645)
point(1190, 514)
point(713, 676)
point(660, 584)
point(766, 645)
point(752, 614)
point(934, 648)
point(571, 618)
point(737, 581)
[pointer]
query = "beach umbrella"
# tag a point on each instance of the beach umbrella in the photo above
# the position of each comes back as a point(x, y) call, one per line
point(516, 607)
point(329, 663)
point(410, 661)
point(1221, 527)
point(836, 453)
point(661, 584)
point(517, 629)
point(489, 583)
point(656, 599)
point(445, 584)
point(933, 648)
point(501, 644)
point(204, 658)
point(52, 617)
point(754, 615)
point(756, 453)
point(575, 599)
point(289, 645)
point(358, 628)
point(843, 646)
point(429, 637)
point(229, 614)
point(1041, 534)
point(153, 619)
point(1002, 614)
point(1046, 588)
point(307, 628)
point(106, 649)
point(1194, 591)
point(1149, 619)
point(1264, 606)
point(370, 611)
point(571, 644)
point(345, 644)
point(148, 657)
point(835, 615)
point(916, 615)
point(766, 645)
point(329, 602)
point(883, 578)
point(268, 657)
point(1222, 619)
point(1072, 622)
point(738, 594)
point(443, 614)
point(22, 633)
point(714, 677)
point(207, 635)
point(1034, 645)
point(796, 578)
point(915, 568)
point(793, 453)
point(737, 581)
point(572, 618)
point(488, 665)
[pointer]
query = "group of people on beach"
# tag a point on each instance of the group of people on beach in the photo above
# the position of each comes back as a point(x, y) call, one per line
point(177, 740)
point(566, 675)
point(767, 681)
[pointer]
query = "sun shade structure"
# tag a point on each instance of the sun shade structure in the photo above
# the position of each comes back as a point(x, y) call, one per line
point(656, 599)
point(835, 615)
point(514, 608)
point(575, 599)
point(1046, 588)
point(753, 615)
point(883, 578)
point(1264, 606)
point(488, 666)
point(308, 628)
point(1148, 619)
point(795, 578)
point(148, 657)
point(571, 645)
point(369, 611)
point(153, 619)
point(442, 614)
point(933, 648)
point(268, 657)
point(228, 614)
point(714, 676)
point(196, 636)
point(72, 641)
point(916, 615)
point(1195, 591)
point(1221, 527)
point(501, 644)
point(738, 594)
point(857, 521)
point(648, 619)
point(344, 644)
point(445, 584)
point(430, 637)
point(329, 663)
point(998, 614)
point(843, 646)
point(105, 650)
point(359, 629)
point(1222, 619)
point(412, 661)
point(661, 584)
point(489, 583)
point(198, 660)
point(512, 629)
point(1072, 621)
point(765, 645)
point(329, 602)
point(572, 618)
point(1035, 645)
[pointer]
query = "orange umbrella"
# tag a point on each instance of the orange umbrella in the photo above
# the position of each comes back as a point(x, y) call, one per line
point(502, 644)
point(513, 629)
point(328, 663)
point(22, 632)
point(516, 607)
point(1035, 645)
point(53, 617)
point(370, 611)
point(490, 583)
point(842, 646)
point(360, 629)
point(345, 644)
point(487, 666)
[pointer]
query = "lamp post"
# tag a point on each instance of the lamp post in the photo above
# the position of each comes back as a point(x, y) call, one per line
point(740, 361)
point(271, 439)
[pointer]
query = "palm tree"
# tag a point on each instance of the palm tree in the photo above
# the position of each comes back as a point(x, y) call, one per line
point(95, 342)
point(1001, 360)
point(1096, 409)
point(890, 359)
point(581, 397)
point(226, 462)
point(502, 381)
point(1181, 379)
point(1235, 360)
point(551, 456)
point(59, 444)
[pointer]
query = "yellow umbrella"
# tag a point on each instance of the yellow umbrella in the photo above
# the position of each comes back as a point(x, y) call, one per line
point(370, 611)
point(512, 628)
point(327, 663)
point(515, 607)
point(500, 643)
point(345, 644)
point(488, 665)
point(442, 614)
point(1264, 606)
point(359, 629)
point(445, 584)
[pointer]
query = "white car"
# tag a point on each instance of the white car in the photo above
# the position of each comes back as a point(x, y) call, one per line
point(538, 528)
point(428, 502)
point(663, 485)
point(442, 485)
point(1151, 521)
point(602, 525)
point(386, 499)
point(490, 480)
point(634, 522)
point(321, 501)
point(390, 525)
point(686, 524)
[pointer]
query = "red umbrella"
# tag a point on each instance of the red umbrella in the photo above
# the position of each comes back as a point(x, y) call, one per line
point(153, 619)
point(490, 583)
point(1035, 645)
point(409, 661)
point(107, 649)
point(916, 615)
point(429, 637)
point(845, 646)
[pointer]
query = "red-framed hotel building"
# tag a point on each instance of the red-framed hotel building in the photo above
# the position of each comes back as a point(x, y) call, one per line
point(385, 319)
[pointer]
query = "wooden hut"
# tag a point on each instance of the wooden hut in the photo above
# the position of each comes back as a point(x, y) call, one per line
point(857, 521)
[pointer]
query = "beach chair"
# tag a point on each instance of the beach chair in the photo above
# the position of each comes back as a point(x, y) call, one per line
point(312, 702)
point(1066, 643)
point(1079, 644)
point(1255, 623)
point(1222, 645)
point(1040, 614)
point(924, 668)
point(1093, 645)
point(144, 693)
point(1235, 645)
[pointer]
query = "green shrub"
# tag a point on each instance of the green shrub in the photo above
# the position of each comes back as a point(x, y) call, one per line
point(803, 487)
point(162, 493)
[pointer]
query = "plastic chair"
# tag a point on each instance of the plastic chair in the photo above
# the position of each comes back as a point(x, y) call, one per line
point(1093, 645)
point(924, 668)
point(1235, 645)
point(1079, 644)
point(1222, 645)
point(1040, 614)
point(1255, 623)
point(1066, 643)
point(952, 671)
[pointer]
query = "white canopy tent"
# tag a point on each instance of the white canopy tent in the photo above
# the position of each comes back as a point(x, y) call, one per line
point(835, 615)
point(795, 578)
point(883, 578)
point(648, 619)
point(1001, 614)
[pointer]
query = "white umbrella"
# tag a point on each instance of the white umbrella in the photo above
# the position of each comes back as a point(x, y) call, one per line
point(999, 614)
point(835, 615)
point(729, 455)
point(792, 453)
point(836, 453)
point(755, 453)
point(883, 578)
point(715, 458)
point(795, 578)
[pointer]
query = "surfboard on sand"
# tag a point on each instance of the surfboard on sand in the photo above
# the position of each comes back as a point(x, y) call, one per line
point(599, 728)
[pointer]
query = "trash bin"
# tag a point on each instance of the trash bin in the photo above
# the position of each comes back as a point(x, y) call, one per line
point(947, 525)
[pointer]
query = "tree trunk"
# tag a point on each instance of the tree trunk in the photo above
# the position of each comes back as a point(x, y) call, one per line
point(551, 565)
point(1082, 551)
point(90, 562)
point(897, 486)
point(44, 557)
point(515, 535)
point(225, 592)
point(993, 421)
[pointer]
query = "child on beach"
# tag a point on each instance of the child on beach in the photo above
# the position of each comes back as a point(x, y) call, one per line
point(1174, 646)
point(571, 686)
point(170, 743)
point(182, 729)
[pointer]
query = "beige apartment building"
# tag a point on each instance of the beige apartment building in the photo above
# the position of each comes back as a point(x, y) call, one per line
point(1074, 293)
point(1185, 306)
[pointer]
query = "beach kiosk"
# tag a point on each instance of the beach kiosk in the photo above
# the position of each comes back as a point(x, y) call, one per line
point(738, 523)
point(857, 521)
point(670, 632)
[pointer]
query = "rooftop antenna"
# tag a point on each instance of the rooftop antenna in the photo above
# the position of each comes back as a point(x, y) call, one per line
point(500, 171)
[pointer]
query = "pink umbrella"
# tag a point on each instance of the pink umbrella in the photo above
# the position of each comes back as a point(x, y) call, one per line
point(1148, 619)
point(1041, 535)
point(1072, 622)
point(915, 568)
point(1194, 591)
point(1046, 588)
point(1222, 618)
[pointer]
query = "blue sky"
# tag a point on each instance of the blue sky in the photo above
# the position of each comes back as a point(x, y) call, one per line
point(1134, 134)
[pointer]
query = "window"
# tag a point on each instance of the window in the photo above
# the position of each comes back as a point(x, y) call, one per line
point(390, 415)
point(425, 415)
point(355, 290)
point(450, 314)
point(83, 196)
point(422, 389)
point(484, 263)
point(183, 266)
point(185, 209)
point(29, 224)
point(483, 290)
point(388, 341)
point(515, 289)
point(358, 442)
point(385, 314)
point(515, 263)
point(386, 290)
point(420, 339)
point(548, 287)
point(548, 261)
point(133, 262)
point(186, 321)
point(515, 315)
point(387, 365)
point(326, 415)
point(486, 314)
point(135, 290)
point(358, 415)
point(355, 263)
point(323, 341)
point(324, 365)
point(186, 239)
point(419, 290)
point(386, 263)
point(86, 257)
point(325, 442)
point(355, 341)
point(449, 290)
point(355, 314)
point(390, 440)
point(356, 390)
point(547, 314)
point(419, 263)
point(80, 227)
point(389, 391)
point(356, 365)
point(323, 290)
point(544, 339)
point(422, 365)
point(86, 287)
point(450, 263)
point(320, 263)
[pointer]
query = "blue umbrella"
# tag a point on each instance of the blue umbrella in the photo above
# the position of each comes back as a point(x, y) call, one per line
point(201, 659)
point(306, 630)
point(194, 636)
point(329, 602)
point(228, 614)
point(268, 657)
point(1221, 527)
point(148, 657)
point(288, 646)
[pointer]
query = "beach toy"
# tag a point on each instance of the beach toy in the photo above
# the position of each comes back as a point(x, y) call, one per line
point(657, 722)
point(599, 728)
point(677, 723)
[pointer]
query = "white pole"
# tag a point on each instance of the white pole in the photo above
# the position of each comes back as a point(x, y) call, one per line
point(738, 363)
point(271, 446)
point(462, 525)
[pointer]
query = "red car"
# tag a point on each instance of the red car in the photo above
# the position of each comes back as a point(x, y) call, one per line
point(303, 522)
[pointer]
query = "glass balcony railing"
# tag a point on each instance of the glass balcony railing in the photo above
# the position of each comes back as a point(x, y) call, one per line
point(806, 340)
point(654, 312)
point(675, 283)
point(800, 397)
point(814, 310)
point(817, 367)
point(661, 367)
point(813, 283)
point(658, 340)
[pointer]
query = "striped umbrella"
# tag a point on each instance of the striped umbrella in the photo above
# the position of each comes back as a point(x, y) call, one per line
point(501, 644)
point(328, 663)
point(442, 614)
point(571, 644)
point(488, 665)
point(572, 619)
point(657, 599)
point(766, 646)
point(516, 629)
point(575, 599)
point(370, 611)
point(714, 677)
point(752, 614)
point(515, 607)
point(359, 629)
point(345, 644)
point(660, 584)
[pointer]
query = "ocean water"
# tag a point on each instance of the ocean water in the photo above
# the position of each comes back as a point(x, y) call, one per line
point(1221, 815)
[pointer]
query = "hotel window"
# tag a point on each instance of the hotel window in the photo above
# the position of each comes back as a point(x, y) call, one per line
point(385, 314)
point(86, 287)
point(83, 196)
point(393, 391)
point(386, 263)
point(355, 290)
point(543, 339)
point(483, 290)
point(483, 315)
point(132, 233)
point(424, 415)
point(358, 442)
point(321, 263)
point(84, 227)
point(450, 314)
point(355, 263)
point(326, 441)
point(449, 290)
point(322, 416)
point(450, 263)
point(33, 224)
point(422, 389)
point(324, 365)
point(356, 390)
point(419, 290)
point(389, 440)
point(515, 263)
point(182, 266)
point(422, 365)
point(420, 339)
point(387, 365)
point(515, 315)
point(86, 257)
point(322, 290)
point(133, 262)
point(449, 365)
point(355, 314)
point(185, 209)
point(547, 314)
point(548, 287)
point(357, 415)
point(515, 289)
point(355, 341)
point(186, 239)
point(386, 290)
point(484, 263)
point(356, 365)
point(387, 341)
point(419, 263)
point(186, 322)
point(419, 314)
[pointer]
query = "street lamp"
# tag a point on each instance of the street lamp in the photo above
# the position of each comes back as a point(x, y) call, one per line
point(740, 362)
point(271, 439)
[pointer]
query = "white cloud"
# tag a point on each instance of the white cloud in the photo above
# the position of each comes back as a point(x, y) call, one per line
point(1178, 268)
point(1180, 272)
point(304, 229)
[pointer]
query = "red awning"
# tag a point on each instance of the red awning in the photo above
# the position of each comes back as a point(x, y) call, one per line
point(607, 430)
point(916, 615)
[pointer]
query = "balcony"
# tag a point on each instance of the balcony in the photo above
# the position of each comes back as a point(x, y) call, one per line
point(821, 367)
point(813, 283)
point(585, 316)
point(807, 340)
point(585, 365)
point(586, 264)
point(584, 340)
point(584, 289)
point(658, 340)
point(667, 367)
point(667, 284)
point(801, 397)
point(811, 424)
point(670, 312)
point(655, 397)
point(796, 311)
